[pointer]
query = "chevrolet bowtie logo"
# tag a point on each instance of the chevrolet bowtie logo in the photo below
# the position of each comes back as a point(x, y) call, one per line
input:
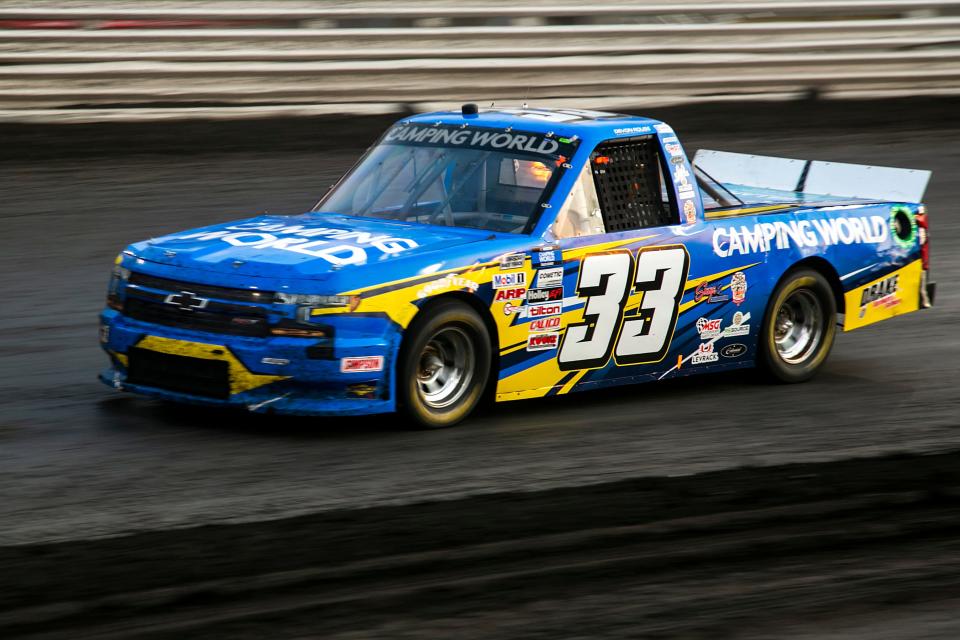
point(186, 300)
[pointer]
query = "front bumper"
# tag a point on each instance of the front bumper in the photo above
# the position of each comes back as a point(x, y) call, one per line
point(272, 374)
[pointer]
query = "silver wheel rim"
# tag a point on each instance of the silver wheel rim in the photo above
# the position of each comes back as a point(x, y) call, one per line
point(445, 368)
point(798, 327)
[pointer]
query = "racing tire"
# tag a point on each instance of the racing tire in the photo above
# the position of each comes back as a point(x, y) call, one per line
point(444, 365)
point(799, 327)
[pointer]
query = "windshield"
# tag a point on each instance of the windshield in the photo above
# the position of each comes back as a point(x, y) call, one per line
point(495, 179)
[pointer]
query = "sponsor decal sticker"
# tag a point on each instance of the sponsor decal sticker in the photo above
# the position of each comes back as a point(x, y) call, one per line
point(708, 327)
point(514, 279)
point(542, 341)
point(447, 283)
point(512, 262)
point(453, 136)
point(509, 308)
point(733, 350)
point(689, 211)
point(882, 294)
point(705, 353)
point(362, 390)
point(663, 128)
point(545, 324)
point(674, 149)
point(710, 293)
point(737, 327)
point(361, 364)
point(544, 295)
point(738, 287)
point(547, 257)
point(632, 130)
point(509, 294)
point(550, 278)
point(766, 236)
point(544, 309)
point(681, 177)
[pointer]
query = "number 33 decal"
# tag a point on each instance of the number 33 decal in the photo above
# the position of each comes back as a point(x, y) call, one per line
point(606, 281)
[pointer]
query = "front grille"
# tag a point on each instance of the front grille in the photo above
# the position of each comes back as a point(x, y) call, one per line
point(225, 318)
point(196, 376)
point(202, 290)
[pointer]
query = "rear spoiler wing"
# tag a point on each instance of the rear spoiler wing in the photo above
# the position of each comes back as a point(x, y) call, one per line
point(814, 176)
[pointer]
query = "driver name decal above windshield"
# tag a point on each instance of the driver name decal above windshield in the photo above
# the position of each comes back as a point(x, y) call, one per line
point(328, 244)
point(489, 139)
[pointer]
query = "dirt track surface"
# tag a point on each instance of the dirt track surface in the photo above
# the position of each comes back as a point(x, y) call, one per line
point(78, 461)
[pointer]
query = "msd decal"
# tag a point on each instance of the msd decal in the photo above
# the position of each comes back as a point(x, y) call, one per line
point(545, 324)
point(509, 294)
point(708, 327)
point(543, 341)
point(514, 279)
point(363, 364)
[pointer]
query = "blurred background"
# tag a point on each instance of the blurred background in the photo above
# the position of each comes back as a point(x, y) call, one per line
point(149, 59)
point(712, 507)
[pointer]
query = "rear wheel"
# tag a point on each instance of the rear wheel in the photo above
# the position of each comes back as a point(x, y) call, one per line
point(799, 326)
point(444, 365)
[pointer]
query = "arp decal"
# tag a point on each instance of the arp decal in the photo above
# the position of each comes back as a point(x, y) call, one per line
point(605, 282)
point(515, 293)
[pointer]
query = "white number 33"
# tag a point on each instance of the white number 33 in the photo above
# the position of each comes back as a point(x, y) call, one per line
point(642, 334)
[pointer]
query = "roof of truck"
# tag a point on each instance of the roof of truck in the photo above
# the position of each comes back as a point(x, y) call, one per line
point(588, 125)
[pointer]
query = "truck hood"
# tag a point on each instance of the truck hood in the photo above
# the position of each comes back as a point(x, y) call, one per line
point(310, 246)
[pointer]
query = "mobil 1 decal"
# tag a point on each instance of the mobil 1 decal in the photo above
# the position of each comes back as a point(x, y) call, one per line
point(637, 336)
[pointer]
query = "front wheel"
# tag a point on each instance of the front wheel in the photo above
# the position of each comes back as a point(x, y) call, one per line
point(799, 326)
point(444, 365)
